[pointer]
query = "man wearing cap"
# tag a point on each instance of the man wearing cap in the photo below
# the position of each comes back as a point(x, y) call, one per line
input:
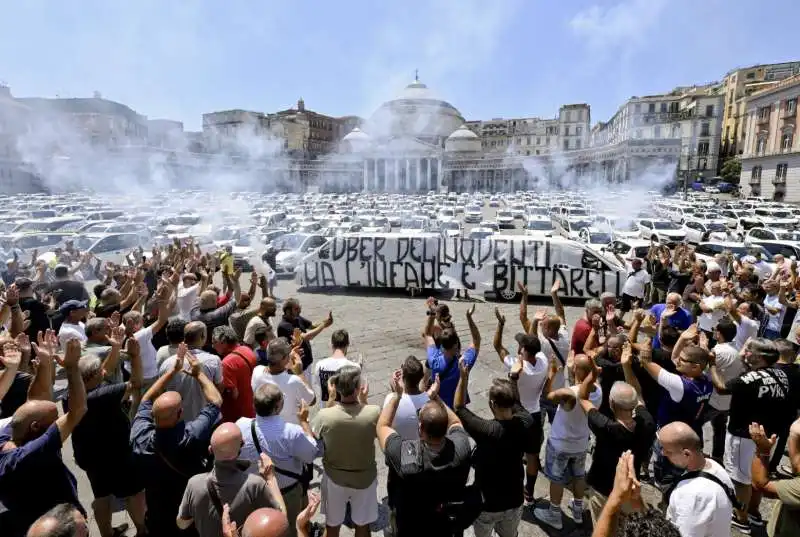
point(64, 288)
point(74, 313)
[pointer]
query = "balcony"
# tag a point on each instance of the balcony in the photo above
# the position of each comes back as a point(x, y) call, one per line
point(789, 114)
point(779, 181)
point(755, 181)
point(762, 120)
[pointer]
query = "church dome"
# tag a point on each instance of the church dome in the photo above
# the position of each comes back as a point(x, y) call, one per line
point(416, 113)
point(356, 140)
point(462, 139)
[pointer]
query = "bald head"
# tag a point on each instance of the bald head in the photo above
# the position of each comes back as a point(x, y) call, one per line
point(194, 334)
point(208, 300)
point(265, 522)
point(226, 442)
point(583, 366)
point(268, 306)
point(31, 420)
point(167, 410)
point(678, 435)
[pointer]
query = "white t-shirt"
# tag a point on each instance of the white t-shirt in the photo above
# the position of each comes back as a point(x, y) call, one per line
point(325, 369)
point(147, 352)
point(699, 507)
point(745, 329)
point(562, 344)
point(406, 422)
point(634, 285)
point(186, 299)
point(570, 430)
point(729, 366)
point(774, 322)
point(531, 381)
point(708, 321)
point(792, 336)
point(292, 387)
point(71, 331)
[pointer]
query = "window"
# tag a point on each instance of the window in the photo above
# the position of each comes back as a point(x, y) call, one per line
point(566, 144)
point(702, 148)
point(537, 151)
point(651, 108)
point(786, 141)
point(657, 132)
point(566, 130)
point(676, 131)
point(705, 129)
point(568, 115)
point(637, 108)
point(578, 130)
point(547, 141)
point(527, 140)
point(750, 76)
point(761, 145)
point(663, 107)
point(709, 110)
point(702, 164)
point(763, 113)
point(577, 144)
point(780, 171)
point(638, 133)
point(756, 173)
point(538, 140)
point(791, 106)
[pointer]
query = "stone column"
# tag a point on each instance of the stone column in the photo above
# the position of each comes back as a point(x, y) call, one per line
point(366, 175)
point(429, 174)
point(375, 174)
point(408, 175)
point(438, 174)
point(396, 175)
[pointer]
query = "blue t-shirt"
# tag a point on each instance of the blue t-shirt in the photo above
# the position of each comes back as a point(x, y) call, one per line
point(37, 462)
point(448, 370)
point(681, 320)
point(696, 393)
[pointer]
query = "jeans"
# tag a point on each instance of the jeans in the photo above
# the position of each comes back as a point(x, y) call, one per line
point(771, 334)
point(504, 523)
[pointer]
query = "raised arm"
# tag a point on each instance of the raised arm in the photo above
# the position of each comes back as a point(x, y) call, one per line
point(384, 428)
point(475, 334)
point(502, 352)
point(427, 329)
point(523, 308)
point(77, 391)
point(210, 391)
point(557, 302)
point(460, 399)
point(41, 387)
point(318, 328)
point(11, 360)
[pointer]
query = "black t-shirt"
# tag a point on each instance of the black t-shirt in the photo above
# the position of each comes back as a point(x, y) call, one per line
point(427, 479)
point(108, 311)
point(793, 373)
point(613, 372)
point(678, 281)
point(38, 317)
point(760, 396)
point(499, 449)
point(286, 328)
point(70, 290)
point(103, 434)
point(17, 394)
point(613, 439)
point(659, 274)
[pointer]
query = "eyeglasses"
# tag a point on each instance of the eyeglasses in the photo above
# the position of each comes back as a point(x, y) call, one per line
point(682, 359)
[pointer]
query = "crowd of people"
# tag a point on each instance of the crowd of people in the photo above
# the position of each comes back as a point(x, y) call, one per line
point(192, 404)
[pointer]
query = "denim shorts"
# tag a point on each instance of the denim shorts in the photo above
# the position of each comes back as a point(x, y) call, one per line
point(561, 468)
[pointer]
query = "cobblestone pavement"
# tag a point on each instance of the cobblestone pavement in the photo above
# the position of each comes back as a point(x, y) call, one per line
point(386, 328)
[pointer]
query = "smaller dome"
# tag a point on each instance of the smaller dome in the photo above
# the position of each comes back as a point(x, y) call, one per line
point(356, 135)
point(462, 140)
point(463, 133)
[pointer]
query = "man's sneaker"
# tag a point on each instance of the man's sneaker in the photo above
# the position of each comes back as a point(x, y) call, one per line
point(577, 514)
point(755, 519)
point(549, 517)
point(743, 527)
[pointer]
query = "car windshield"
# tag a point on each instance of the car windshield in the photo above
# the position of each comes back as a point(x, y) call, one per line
point(224, 234)
point(781, 214)
point(83, 243)
point(578, 212)
point(474, 209)
point(447, 212)
point(504, 214)
point(414, 224)
point(539, 225)
point(578, 224)
point(665, 224)
point(741, 251)
point(290, 242)
point(716, 226)
point(450, 225)
point(793, 236)
point(641, 251)
point(625, 226)
point(599, 238)
point(476, 234)
point(538, 210)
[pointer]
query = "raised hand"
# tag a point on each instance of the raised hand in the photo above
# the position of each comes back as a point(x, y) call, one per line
point(627, 353)
point(329, 319)
point(265, 467)
point(556, 287)
point(228, 528)
point(117, 336)
point(304, 517)
point(470, 312)
point(23, 343)
point(463, 367)
point(436, 385)
point(195, 365)
point(72, 354)
point(180, 356)
point(522, 288)
point(500, 317)
point(12, 295)
point(764, 444)
point(396, 382)
point(302, 411)
point(132, 347)
point(12, 357)
point(540, 314)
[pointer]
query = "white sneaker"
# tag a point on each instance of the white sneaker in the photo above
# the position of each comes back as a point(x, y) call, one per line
point(577, 514)
point(549, 517)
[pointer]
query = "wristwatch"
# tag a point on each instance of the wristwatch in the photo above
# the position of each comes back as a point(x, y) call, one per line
point(513, 376)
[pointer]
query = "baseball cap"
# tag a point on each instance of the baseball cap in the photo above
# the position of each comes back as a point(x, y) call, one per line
point(529, 342)
point(72, 305)
point(23, 283)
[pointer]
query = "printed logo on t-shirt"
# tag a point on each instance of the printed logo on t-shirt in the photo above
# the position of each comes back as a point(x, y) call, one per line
point(774, 383)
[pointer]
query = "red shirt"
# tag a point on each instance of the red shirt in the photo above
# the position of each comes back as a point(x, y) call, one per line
point(580, 333)
point(223, 299)
point(237, 370)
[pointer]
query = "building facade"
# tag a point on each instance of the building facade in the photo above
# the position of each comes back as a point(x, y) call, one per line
point(771, 150)
point(690, 115)
point(737, 86)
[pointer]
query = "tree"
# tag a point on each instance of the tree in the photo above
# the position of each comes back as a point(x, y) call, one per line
point(731, 170)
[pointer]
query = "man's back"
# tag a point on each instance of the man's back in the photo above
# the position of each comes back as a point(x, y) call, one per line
point(192, 397)
point(348, 431)
point(701, 507)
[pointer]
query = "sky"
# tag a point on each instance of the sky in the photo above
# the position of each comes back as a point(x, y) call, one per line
point(178, 59)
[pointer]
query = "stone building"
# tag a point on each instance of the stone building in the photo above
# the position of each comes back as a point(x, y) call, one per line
point(771, 149)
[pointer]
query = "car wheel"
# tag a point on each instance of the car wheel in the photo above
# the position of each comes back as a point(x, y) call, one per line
point(654, 238)
point(509, 295)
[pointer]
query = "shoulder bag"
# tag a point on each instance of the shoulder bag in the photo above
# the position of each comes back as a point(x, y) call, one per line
point(302, 480)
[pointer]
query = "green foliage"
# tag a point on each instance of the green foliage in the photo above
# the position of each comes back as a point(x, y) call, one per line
point(731, 170)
